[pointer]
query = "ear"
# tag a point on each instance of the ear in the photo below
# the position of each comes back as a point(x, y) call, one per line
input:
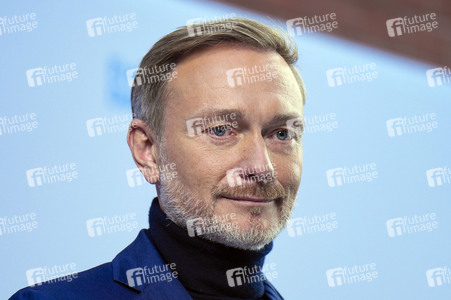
point(141, 142)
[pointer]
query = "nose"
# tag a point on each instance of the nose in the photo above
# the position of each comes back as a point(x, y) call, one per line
point(255, 159)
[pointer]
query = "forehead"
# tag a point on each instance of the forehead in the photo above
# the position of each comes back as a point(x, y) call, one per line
point(231, 76)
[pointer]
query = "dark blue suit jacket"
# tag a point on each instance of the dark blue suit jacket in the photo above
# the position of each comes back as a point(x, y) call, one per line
point(109, 281)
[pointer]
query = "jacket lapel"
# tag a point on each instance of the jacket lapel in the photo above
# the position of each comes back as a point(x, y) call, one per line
point(140, 267)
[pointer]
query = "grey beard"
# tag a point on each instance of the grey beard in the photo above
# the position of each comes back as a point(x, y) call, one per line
point(180, 206)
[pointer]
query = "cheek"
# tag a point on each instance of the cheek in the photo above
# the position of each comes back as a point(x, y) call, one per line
point(196, 169)
point(296, 166)
point(289, 171)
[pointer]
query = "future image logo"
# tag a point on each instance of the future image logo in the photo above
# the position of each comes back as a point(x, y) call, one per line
point(201, 26)
point(108, 125)
point(212, 124)
point(134, 177)
point(408, 225)
point(350, 275)
point(240, 176)
point(108, 25)
point(320, 123)
point(296, 125)
point(350, 75)
point(406, 125)
point(308, 225)
point(407, 25)
point(18, 123)
point(308, 25)
point(438, 176)
point(18, 223)
point(150, 75)
point(147, 275)
point(50, 175)
point(345, 175)
point(52, 274)
point(164, 173)
point(18, 23)
point(438, 276)
point(200, 226)
point(248, 75)
point(438, 76)
point(251, 274)
point(107, 225)
point(48, 75)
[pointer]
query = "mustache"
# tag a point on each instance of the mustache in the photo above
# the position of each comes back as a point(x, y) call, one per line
point(273, 190)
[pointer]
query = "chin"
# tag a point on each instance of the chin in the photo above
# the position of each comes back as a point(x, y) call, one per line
point(253, 233)
point(238, 243)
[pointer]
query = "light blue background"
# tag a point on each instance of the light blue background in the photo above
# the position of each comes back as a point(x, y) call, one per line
point(101, 89)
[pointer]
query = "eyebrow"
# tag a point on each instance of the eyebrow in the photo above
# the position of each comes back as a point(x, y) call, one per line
point(211, 112)
point(283, 118)
point(239, 115)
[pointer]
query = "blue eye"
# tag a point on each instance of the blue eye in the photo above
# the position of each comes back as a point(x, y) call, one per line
point(283, 135)
point(219, 130)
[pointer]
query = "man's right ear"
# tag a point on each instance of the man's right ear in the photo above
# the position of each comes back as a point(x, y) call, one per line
point(141, 142)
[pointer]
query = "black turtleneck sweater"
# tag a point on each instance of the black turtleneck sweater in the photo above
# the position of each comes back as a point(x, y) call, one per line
point(201, 264)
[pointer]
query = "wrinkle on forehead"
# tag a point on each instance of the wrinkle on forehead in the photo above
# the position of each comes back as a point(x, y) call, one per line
point(202, 79)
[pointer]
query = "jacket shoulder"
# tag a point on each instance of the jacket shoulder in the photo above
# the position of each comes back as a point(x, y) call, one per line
point(271, 292)
point(95, 283)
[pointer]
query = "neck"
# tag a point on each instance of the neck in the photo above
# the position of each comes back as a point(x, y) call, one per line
point(208, 270)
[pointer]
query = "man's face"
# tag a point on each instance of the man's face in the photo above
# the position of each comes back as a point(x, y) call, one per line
point(243, 126)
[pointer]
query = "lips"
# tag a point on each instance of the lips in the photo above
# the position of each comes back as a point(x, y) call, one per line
point(249, 199)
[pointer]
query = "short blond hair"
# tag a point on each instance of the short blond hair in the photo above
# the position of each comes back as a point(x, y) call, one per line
point(147, 99)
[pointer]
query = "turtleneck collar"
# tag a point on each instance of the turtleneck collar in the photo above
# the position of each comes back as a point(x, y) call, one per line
point(201, 264)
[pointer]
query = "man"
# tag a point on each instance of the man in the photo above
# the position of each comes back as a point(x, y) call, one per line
point(218, 124)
